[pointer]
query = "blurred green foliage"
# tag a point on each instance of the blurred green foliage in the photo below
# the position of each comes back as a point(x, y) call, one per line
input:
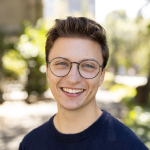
point(138, 119)
point(32, 47)
point(5, 45)
point(129, 47)
point(14, 63)
point(108, 81)
point(27, 59)
point(123, 90)
point(128, 42)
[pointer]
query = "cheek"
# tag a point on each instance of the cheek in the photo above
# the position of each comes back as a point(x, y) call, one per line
point(53, 84)
point(54, 81)
point(93, 85)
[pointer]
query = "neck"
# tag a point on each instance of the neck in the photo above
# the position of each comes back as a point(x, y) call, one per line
point(75, 121)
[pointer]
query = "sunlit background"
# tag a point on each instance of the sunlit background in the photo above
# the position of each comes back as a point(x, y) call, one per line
point(25, 99)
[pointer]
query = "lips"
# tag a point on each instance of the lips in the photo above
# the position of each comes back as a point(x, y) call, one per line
point(72, 91)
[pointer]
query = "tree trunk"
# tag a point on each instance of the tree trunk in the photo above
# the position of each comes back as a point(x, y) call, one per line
point(142, 96)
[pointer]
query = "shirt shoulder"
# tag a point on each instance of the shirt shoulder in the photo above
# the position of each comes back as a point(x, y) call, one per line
point(125, 137)
point(33, 138)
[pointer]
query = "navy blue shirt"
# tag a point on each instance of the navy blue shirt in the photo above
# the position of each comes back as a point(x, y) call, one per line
point(107, 133)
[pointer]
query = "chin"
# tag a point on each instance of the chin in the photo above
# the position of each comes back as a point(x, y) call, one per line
point(72, 106)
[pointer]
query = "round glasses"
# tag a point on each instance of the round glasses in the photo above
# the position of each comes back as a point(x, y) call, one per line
point(61, 67)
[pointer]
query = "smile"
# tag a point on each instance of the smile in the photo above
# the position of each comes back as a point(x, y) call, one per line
point(72, 91)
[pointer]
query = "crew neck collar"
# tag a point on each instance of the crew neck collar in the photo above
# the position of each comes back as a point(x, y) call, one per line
point(81, 135)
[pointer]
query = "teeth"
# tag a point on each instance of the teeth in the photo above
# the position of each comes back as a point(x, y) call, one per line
point(72, 91)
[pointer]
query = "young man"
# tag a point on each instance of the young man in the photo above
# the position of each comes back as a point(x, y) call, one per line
point(76, 56)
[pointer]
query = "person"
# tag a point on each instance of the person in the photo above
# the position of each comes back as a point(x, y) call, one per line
point(76, 55)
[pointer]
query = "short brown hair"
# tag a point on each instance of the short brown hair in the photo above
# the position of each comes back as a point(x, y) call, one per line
point(78, 27)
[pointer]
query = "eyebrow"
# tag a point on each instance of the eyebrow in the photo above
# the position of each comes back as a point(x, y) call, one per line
point(88, 59)
point(83, 59)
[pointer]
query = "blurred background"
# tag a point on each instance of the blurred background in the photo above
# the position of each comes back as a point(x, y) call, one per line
point(25, 99)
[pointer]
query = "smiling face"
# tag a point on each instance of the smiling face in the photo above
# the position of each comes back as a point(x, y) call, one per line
point(73, 91)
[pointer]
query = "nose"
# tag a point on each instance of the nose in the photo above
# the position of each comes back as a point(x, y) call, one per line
point(74, 77)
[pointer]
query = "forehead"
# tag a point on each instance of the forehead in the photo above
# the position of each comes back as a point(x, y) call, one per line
point(76, 49)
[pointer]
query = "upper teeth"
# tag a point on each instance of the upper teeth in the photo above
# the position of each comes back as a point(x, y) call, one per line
point(72, 90)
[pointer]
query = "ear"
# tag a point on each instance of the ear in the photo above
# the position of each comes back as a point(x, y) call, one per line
point(47, 73)
point(102, 77)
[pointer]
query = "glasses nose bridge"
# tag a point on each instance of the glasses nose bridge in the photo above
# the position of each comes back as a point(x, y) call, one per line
point(74, 63)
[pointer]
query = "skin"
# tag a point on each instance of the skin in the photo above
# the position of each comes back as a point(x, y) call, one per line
point(75, 109)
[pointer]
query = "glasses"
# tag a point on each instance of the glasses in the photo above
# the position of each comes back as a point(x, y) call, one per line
point(61, 67)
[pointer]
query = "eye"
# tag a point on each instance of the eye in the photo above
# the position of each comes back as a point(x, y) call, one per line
point(62, 63)
point(88, 66)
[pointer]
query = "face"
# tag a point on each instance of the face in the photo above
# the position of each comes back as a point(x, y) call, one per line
point(73, 91)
